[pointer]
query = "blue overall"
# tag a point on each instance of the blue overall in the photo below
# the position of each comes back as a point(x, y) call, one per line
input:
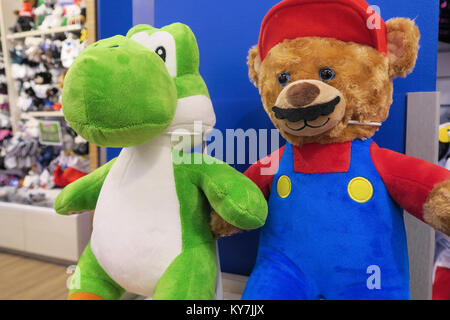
point(319, 243)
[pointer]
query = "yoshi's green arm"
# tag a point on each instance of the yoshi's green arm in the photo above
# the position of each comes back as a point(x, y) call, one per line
point(82, 194)
point(231, 194)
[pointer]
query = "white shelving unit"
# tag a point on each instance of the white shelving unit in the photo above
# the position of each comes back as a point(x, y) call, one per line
point(30, 229)
point(37, 33)
point(41, 231)
point(42, 114)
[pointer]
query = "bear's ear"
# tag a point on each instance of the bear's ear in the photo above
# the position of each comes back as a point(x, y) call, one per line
point(403, 45)
point(254, 65)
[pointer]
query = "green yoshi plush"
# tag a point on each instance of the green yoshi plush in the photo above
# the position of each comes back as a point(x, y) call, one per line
point(151, 230)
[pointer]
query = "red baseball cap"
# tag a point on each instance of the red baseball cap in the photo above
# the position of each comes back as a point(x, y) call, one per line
point(345, 20)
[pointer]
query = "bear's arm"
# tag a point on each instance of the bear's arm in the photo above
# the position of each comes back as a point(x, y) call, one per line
point(408, 180)
point(262, 172)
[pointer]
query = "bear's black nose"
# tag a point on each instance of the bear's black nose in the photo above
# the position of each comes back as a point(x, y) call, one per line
point(306, 114)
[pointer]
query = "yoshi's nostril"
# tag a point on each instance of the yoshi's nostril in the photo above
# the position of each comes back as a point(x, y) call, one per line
point(302, 94)
point(114, 46)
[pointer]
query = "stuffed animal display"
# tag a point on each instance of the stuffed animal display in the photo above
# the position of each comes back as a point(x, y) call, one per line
point(335, 227)
point(151, 232)
point(39, 65)
point(47, 14)
point(31, 171)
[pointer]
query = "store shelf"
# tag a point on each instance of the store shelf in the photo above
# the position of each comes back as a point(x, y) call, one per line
point(31, 229)
point(42, 114)
point(41, 231)
point(36, 33)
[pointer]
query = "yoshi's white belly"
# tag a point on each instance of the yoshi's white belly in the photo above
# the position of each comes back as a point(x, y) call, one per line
point(137, 227)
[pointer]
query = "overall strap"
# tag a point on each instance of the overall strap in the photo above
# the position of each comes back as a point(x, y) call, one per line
point(361, 152)
point(287, 160)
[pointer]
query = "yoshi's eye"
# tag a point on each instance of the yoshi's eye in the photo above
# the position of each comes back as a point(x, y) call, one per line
point(163, 44)
point(161, 51)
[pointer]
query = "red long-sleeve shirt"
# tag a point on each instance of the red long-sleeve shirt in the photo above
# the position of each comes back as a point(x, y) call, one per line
point(408, 180)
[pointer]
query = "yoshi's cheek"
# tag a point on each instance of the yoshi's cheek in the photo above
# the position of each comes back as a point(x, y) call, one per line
point(194, 117)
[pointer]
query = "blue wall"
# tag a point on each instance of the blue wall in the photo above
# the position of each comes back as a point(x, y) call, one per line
point(226, 30)
point(114, 17)
point(393, 133)
point(113, 20)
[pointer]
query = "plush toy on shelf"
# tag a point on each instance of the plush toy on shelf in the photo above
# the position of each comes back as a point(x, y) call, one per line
point(58, 105)
point(43, 10)
point(335, 229)
point(26, 96)
point(53, 19)
point(19, 68)
point(43, 92)
point(70, 49)
point(33, 51)
point(69, 167)
point(151, 232)
point(77, 144)
point(36, 96)
point(75, 13)
point(25, 17)
point(52, 54)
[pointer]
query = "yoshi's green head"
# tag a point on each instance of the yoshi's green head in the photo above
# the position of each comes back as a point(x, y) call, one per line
point(125, 91)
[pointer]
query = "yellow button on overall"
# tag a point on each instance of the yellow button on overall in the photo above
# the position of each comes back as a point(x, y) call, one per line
point(360, 189)
point(284, 187)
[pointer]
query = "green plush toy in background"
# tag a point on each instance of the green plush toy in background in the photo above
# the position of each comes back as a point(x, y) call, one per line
point(151, 233)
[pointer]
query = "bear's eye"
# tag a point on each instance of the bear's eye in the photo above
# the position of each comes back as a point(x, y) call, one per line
point(161, 51)
point(327, 74)
point(284, 78)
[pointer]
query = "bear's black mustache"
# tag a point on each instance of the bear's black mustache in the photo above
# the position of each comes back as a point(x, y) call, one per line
point(307, 114)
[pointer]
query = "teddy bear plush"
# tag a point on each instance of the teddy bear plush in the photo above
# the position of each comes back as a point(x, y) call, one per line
point(151, 232)
point(335, 227)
